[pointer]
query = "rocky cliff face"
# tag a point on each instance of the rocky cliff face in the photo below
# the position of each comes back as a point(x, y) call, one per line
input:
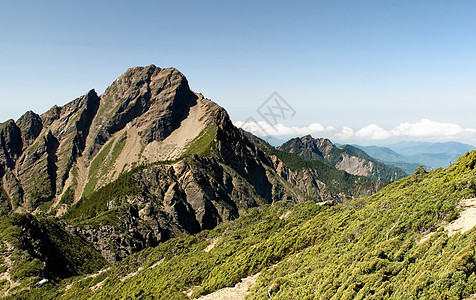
point(30, 125)
point(48, 146)
point(347, 158)
point(152, 99)
point(41, 156)
point(147, 160)
point(188, 196)
point(10, 145)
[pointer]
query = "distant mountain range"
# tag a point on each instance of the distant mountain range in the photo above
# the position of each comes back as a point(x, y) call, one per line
point(409, 155)
point(406, 155)
point(346, 157)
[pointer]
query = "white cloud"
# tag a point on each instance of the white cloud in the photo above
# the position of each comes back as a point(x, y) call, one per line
point(373, 132)
point(346, 133)
point(428, 128)
point(316, 127)
point(422, 129)
point(265, 129)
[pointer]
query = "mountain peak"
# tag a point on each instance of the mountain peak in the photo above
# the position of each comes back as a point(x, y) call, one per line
point(30, 125)
point(155, 100)
point(157, 77)
point(146, 161)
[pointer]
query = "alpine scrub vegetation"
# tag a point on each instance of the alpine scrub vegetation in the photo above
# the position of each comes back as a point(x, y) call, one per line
point(89, 207)
point(369, 248)
point(391, 245)
point(29, 240)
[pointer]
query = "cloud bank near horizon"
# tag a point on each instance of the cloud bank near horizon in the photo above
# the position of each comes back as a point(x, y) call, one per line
point(423, 129)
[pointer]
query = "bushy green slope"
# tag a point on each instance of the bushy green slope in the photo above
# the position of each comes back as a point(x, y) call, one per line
point(244, 246)
point(34, 248)
point(95, 205)
point(363, 248)
point(369, 248)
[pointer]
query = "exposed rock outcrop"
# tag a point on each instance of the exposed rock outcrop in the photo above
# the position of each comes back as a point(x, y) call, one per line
point(30, 125)
point(155, 100)
point(10, 145)
point(186, 165)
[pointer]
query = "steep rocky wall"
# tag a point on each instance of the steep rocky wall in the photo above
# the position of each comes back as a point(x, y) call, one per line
point(189, 167)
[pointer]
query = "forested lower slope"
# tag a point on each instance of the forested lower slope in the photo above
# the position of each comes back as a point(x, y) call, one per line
point(389, 245)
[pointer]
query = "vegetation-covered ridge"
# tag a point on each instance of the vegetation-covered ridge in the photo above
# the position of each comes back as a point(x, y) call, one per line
point(37, 250)
point(203, 144)
point(338, 181)
point(368, 248)
point(345, 157)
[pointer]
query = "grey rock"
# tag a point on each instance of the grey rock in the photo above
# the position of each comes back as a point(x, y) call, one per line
point(30, 125)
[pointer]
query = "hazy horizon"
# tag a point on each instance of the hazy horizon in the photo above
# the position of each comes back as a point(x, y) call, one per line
point(370, 72)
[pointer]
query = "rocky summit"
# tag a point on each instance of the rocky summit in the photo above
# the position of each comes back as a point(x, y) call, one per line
point(144, 162)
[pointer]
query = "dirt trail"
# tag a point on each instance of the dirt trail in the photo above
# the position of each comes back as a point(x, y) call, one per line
point(239, 291)
point(466, 220)
point(8, 264)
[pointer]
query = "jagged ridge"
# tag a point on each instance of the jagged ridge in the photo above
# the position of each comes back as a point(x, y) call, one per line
point(146, 161)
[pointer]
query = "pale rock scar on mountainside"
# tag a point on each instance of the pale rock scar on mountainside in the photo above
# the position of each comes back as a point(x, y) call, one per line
point(212, 245)
point(465, 221)
point(239, 291)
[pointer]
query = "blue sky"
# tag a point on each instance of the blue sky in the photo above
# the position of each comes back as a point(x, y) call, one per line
point(367, 71)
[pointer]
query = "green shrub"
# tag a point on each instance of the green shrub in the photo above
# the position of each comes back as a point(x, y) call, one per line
point(362, 248)
point(203, 144)
point(96, 203)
